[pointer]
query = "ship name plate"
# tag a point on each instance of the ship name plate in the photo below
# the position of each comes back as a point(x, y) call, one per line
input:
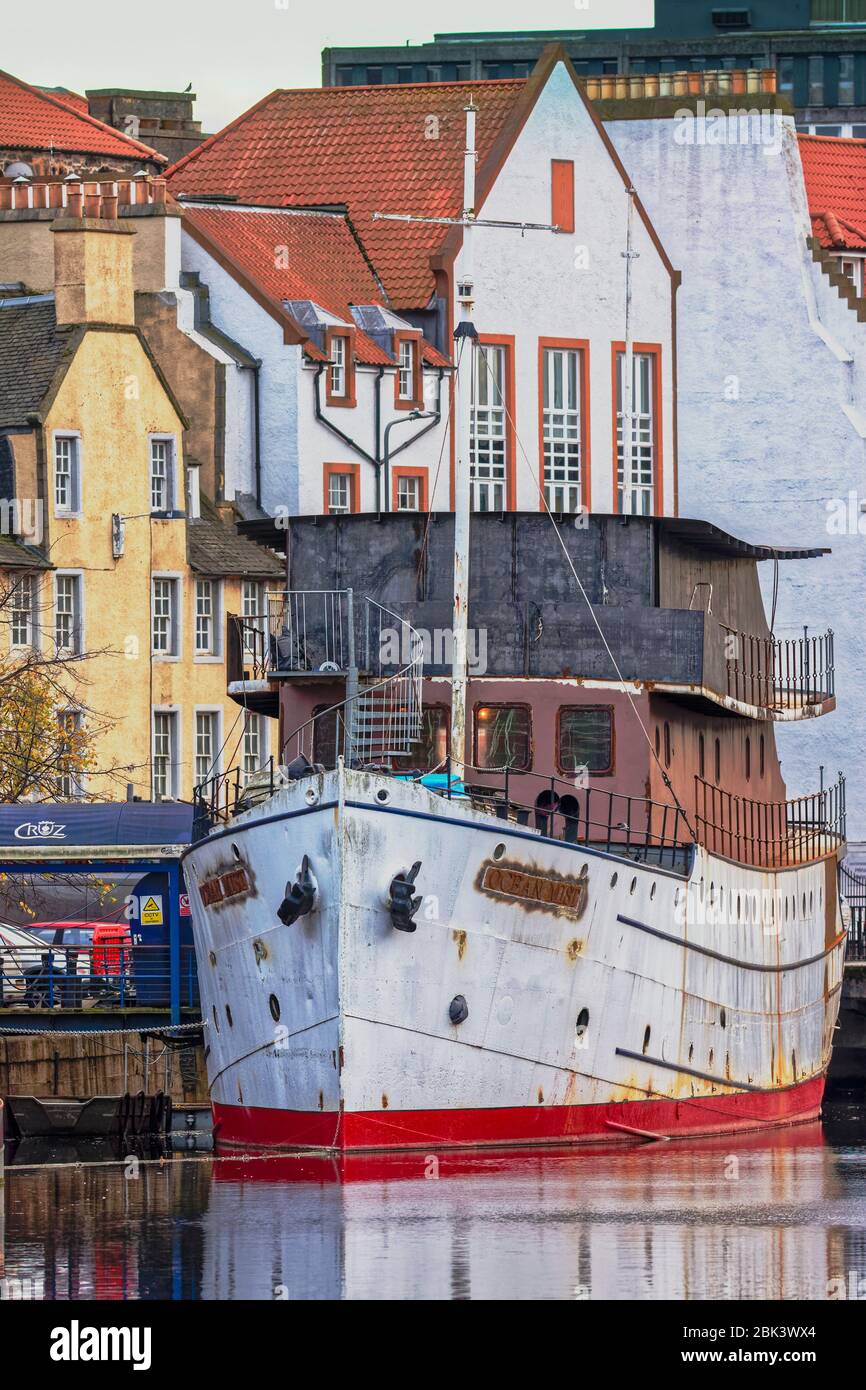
point(567, 895)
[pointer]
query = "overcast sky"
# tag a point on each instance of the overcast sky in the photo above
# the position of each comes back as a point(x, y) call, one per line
point(235, 51)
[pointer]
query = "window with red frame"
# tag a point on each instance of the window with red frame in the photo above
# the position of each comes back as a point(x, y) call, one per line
point(407, 368)
point(502, 737)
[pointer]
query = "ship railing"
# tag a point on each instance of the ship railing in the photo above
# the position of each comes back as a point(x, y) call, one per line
point(577, 813)
point(770, 834)
point(226, 794)
point(381, 720)
point(779, 673)
point(853, 890)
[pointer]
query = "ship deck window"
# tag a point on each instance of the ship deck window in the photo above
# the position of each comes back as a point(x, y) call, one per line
point(585, 738)
point(502, 737)
point(431, 750)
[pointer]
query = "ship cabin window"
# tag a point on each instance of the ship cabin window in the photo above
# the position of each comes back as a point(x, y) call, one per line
point(585, 739)
point(431, 750)
point(667, 744)
point(502, 737)
point(718, 768)
point(701, 759)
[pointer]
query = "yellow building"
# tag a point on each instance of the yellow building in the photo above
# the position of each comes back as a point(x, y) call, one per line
point(122, 568)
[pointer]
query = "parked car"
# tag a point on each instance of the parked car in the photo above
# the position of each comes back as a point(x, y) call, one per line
point(24, 960)
point(97, 952)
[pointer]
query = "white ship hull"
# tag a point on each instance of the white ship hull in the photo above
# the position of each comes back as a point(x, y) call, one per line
point(644, 1002)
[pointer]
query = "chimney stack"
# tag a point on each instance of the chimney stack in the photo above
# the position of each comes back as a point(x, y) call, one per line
point(93, 278)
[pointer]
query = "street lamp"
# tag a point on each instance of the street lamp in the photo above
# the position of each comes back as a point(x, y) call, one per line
point(386, 454)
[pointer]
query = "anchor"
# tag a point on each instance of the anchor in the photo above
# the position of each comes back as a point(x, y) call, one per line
point(401, 904)
point(300, 895)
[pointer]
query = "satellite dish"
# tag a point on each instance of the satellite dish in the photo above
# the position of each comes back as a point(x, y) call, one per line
point(329, 666)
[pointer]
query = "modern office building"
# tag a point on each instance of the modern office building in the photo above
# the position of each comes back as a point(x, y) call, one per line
point(817, 47)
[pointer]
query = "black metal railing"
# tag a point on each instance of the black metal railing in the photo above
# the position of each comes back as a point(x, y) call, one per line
point(770, 834)
point(779, 673)
point(219, 798)
point(853, 890)
point(635, 827)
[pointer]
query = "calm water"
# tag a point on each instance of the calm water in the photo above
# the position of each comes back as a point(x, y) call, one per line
point(768, 1217)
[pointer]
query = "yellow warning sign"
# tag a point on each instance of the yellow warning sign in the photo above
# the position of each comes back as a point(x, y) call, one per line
point(151, 911)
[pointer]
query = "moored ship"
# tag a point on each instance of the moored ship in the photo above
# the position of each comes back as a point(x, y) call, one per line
point(607, 922)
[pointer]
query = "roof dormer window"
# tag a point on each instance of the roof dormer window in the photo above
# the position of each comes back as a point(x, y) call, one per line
point(341, 367)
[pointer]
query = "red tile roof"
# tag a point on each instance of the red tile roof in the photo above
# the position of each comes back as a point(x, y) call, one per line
point(835, 174)
point(300, 255)
point(376, 149)
point(73, 99)
point(32, 119)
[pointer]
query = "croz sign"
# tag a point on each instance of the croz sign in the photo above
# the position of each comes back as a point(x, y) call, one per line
point(40, 830)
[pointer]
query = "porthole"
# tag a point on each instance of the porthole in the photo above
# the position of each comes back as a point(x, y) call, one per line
point(804, 904)
point(216, 1021)
point(738, 907)
point(632, 885)
point(786, 907)
point(582, 1025)
point(274, 1006)
point(613, 879)
point(712, 895)
point(652, 892)
point(691, 1051)
point(211, 955)
point(229, 1017)
point(811, 903)
point(723, 1018)
point(311, 796)
point(499, 851)
point(646, 1039)
point(712, 1055)
point(383, 796)
point(235, 851)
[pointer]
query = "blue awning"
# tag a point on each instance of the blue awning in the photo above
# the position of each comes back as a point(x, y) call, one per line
point(117, 824)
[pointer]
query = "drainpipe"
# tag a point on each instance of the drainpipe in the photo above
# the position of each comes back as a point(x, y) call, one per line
point(376, 459)
point(257, 433)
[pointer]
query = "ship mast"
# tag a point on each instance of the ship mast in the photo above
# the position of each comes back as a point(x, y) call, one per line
point(465, 335)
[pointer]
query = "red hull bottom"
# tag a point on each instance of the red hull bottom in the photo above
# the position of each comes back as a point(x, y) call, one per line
point(245, 1127)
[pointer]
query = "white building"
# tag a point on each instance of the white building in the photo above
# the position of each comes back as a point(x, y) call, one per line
point(352, 315)
point(772, 394)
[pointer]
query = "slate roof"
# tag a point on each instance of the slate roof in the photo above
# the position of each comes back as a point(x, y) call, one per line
point(33, 119)
point(16, 556)
point(215, 548)
point(834, 170)
point(32, 350)
point(376, 149)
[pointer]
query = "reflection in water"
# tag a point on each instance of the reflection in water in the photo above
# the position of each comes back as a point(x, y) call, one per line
point(771, 1216)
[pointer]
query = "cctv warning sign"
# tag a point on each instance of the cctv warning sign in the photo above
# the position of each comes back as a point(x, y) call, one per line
point(151, 911)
